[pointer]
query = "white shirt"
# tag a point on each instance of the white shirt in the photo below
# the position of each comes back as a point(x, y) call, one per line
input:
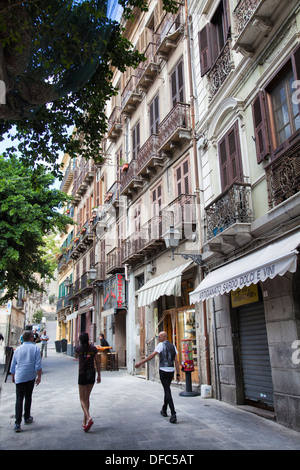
point(159, 349)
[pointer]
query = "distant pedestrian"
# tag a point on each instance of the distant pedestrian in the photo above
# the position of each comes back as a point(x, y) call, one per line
point(167, 358)
point(103, 341)
point(26, 368)
point(88, 361)
point(36, 338)
point(44, 340)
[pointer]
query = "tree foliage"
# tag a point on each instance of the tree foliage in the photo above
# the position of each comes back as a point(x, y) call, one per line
point(29, 210)
point(55, 60)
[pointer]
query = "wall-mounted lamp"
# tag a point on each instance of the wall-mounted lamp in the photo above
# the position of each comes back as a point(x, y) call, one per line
point(92, 275)
point(172, 238)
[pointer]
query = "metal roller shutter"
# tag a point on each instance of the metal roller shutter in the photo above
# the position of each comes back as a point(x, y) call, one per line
point(257, 376)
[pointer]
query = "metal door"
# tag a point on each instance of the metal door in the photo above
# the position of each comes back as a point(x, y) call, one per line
point(256, 366)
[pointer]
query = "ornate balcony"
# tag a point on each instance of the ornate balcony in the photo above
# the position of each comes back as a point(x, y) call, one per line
point(83, 175)
point(114, 261)
point(175, 127)
point(131, 248)
point(181, 214)
point(131, 96)
point(220, 70)
point(148, 158)
point(229, 219)
point(130, 181)
point(82, 240)
point(114, 127)
point(283, 176)
point(150, 68)
point(169, 33)
point(253, 20)
point(68, 177)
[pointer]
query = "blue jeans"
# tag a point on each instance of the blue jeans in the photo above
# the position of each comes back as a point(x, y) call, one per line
point(166, 379)
point(23, 390)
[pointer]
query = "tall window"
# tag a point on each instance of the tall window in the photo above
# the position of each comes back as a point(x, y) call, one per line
point(276, 111)
point(154, 115)
point(230, 158)
point(213, 37)
point(135, 140)
point(177, 84)
point(182, 178)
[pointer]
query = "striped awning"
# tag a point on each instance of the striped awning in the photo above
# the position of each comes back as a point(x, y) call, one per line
point(168, 283)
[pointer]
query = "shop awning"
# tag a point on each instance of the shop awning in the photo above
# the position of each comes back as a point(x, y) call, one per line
point(274, 259)
point(72, 316)
point(168, 283)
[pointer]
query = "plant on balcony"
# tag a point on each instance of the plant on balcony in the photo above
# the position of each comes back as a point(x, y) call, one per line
point(124, 167)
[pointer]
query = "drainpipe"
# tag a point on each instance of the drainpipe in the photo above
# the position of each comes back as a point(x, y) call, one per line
point(197, 189)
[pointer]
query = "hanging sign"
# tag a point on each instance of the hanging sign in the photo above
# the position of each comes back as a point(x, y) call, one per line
point(114, 292)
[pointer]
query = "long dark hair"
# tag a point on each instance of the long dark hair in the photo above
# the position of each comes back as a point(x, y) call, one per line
point(84, 341)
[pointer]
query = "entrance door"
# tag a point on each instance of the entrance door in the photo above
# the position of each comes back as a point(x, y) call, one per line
point(256, 366)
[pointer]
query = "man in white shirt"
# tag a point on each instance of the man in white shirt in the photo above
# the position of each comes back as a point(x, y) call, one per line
point(167, 358)
point(44, 340)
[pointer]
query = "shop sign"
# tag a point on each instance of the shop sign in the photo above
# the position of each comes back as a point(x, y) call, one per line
point(246, 295)
point(114, 292)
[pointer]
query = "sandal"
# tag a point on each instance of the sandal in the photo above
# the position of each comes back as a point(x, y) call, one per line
point(88, 426)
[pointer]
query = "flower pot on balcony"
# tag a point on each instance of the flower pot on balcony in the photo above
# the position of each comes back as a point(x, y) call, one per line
point(124, 167)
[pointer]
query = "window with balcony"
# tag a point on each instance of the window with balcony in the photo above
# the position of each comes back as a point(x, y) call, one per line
point(276, 111)
point(213, 37)
point(276, 117)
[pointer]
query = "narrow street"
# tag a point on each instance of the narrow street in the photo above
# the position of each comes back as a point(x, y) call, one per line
point(126, 414)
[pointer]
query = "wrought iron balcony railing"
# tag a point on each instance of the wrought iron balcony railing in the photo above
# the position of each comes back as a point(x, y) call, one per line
point(229, 208)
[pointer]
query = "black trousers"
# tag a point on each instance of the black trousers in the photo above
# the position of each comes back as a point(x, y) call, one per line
point(23, 390)
point(166, 379)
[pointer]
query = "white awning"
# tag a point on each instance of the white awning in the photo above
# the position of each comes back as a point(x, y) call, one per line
point(72, 316)
point(168, 283)
point(265, 263)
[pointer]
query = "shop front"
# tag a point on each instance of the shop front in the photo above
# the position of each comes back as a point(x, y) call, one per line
point(114, 313)
point(168, 298)
point(254, 306)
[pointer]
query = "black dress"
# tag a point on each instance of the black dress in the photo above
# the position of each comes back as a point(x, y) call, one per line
point(86, 372)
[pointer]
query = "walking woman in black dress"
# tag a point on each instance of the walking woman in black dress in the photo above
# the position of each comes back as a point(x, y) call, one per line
point(88, 359)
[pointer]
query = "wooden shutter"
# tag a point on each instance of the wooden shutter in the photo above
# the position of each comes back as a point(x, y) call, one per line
point(154, 116)
point(262, 142)
point(230, 158)
point(205, 52)
point(135, 140)
point(182, 178)
point(177, 84)
point(156, 198)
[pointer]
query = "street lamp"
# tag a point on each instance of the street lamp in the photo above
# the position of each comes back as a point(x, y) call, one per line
point(67, 282)
point(171, 238)
point(92, 275)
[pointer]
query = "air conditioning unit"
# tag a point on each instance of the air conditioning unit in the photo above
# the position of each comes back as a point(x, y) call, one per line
point(151, 269)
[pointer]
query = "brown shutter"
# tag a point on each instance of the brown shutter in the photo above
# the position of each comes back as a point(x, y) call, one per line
point(262, 142)
point(223, 163)
point(205, 53)
point(230, 158)
point(182, 173)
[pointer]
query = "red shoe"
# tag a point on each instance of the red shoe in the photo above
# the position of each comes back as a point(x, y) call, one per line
point(88, 426)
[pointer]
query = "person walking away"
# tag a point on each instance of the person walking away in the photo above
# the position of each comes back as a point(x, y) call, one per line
point(88, 357)
point(26, 369)
point(103, 341)
point(167, 359)
point(44, 340)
